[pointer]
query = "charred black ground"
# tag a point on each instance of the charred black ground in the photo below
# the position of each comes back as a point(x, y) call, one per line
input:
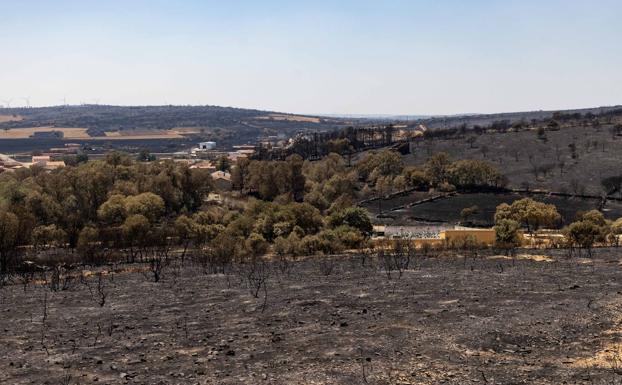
point(338, 320)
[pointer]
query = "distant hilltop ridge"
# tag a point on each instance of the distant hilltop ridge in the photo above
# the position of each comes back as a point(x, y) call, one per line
point(217, 122)
point(116, 122)
point(499, 115)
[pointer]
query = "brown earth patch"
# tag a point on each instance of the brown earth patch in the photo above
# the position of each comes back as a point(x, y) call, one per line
point(24, 133)
point(290, 118)
point(10, 118)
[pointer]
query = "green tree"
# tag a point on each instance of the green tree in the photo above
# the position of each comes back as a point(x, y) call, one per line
point(113, 211)
point(185, 231)
point(354, 217)
point(582, 233)
point(468, 212)
point(116, 159)
point(616, 232)
point(507, 234)
point(437, 168)
point(88, 243)
point(43, 207)
point(136, 230)
point(416, 178)
point(529, 213)
point(382, 163)
point(145, 156)
point(475, 173)
point(307, 217)
point(44, 237)
point(256, 244)
point(148, 204)
point(590, 228)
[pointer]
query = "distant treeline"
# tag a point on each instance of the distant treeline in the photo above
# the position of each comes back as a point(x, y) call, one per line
point(346, 141)
point(245, 123)
point(507, 125)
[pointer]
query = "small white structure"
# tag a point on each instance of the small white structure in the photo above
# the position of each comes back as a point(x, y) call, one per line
point(207, 145)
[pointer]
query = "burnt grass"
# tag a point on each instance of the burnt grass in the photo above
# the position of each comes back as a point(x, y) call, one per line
point(448, 319)
point(401, 211)
point(517, 154)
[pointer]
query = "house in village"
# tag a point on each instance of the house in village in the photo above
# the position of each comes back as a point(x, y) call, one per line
point(204, 165)
point(222, 180)
point(44, 161)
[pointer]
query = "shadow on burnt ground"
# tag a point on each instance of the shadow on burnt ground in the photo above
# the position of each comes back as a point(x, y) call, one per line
point(332, 320)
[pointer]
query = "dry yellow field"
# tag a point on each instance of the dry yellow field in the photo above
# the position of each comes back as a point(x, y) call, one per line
point(290, 118)
point(10, 118)
point(81, 133)
point(138, 135)
point(25, 133)
point(189, 130)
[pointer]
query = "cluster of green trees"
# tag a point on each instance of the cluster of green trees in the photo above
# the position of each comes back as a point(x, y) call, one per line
point(592, 228)
point(588, 229)
point(140, 209)
point(331, 185)
point(523, 213)
point(528, 213)
point(466, 174)
point(268, 180)
point(385, 170)
point(294, 228)
point(43, 208)
point(326, 184)
point(331, 182)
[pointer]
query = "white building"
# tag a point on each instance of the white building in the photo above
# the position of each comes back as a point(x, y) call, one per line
point(207, 145)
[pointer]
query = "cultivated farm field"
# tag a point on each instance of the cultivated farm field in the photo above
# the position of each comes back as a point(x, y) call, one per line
point(24, 133)
point(10, 118)
point(480, 319)
point(290, 118)
point(81, 133)
point(141, 134)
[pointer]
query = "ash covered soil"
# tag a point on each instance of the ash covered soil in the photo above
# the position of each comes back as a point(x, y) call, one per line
point(447, 320)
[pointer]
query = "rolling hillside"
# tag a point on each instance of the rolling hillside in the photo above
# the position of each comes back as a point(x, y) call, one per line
point(113, 121)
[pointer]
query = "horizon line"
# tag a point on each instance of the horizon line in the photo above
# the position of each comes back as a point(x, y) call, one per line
point(328, 115)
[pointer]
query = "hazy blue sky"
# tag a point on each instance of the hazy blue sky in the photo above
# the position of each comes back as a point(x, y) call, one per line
point(364, 57)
